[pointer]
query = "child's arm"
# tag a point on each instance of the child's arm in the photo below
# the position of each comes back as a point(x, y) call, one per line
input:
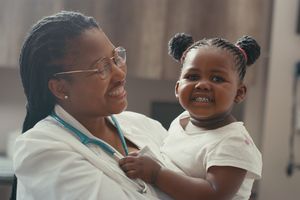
point(220, 182)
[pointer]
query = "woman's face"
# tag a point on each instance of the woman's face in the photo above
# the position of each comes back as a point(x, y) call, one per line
point(209, 83)
point(89, 95)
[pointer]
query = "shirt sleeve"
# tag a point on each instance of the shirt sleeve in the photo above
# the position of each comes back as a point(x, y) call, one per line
point(53, 170)
point(236, 151)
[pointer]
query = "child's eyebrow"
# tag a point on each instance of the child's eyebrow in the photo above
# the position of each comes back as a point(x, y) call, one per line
point(190, 70)
point(219, 70)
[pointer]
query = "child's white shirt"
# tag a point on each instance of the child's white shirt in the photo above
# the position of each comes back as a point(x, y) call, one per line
point(195, 150)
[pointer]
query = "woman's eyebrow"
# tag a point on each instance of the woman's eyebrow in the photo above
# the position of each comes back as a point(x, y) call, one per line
point(95, 61)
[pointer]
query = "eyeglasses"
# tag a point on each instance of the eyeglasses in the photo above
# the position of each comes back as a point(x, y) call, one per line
point(103, 66)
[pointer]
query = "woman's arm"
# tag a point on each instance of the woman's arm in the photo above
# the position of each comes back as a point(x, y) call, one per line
point(220, 182)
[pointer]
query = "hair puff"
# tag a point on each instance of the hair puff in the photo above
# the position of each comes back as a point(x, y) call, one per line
point(178, 44)
point(251, 48)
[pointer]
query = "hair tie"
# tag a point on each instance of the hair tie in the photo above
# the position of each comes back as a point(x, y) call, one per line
point(243, 52)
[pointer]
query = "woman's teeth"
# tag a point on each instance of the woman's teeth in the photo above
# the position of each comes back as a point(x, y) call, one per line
point(118, 91)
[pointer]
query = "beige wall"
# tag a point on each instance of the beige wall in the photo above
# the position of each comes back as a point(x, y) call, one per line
point(285, 52)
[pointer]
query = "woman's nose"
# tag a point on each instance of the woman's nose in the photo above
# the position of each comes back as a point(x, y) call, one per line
point(119, 72)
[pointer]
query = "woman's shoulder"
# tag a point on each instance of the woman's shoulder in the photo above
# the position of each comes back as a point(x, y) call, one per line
point(45, 135)
point(44, 128)
point(136, 125)
point(137, 119)
point(131, 114)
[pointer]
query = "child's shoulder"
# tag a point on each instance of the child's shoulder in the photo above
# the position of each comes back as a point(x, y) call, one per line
point(183, 115)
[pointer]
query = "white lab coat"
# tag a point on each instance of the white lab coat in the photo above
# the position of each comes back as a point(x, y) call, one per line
point(52, 164)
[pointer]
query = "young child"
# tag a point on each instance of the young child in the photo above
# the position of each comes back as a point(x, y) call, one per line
point(206, 142)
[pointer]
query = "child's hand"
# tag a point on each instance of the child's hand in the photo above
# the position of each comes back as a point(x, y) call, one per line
point(143, 167)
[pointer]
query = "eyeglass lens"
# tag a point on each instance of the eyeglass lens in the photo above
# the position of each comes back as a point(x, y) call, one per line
point(119, 59)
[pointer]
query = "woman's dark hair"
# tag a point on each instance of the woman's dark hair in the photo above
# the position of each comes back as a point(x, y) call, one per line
point(44, 45)
point(245, 51)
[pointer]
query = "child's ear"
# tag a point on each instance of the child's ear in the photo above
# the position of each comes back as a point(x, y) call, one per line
point(240, 94)
point(58, 88)
point(176, 89)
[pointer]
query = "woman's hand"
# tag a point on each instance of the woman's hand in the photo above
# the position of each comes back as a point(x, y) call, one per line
point(143, 167)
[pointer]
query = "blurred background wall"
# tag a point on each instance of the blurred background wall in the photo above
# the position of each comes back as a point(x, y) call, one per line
point(144, 27)
point(284, 54)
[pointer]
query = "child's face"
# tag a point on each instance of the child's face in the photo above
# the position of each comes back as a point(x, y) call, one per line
point(209, 83)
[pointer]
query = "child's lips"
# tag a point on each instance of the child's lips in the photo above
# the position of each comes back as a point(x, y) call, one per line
point(202, 99)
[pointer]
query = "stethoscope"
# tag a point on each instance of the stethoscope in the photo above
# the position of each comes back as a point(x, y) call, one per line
point(84, 139)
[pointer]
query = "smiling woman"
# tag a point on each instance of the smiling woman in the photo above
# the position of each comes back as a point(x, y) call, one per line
point(75, 130)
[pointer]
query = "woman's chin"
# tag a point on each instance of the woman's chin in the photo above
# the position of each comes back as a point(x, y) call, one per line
point(120, 108)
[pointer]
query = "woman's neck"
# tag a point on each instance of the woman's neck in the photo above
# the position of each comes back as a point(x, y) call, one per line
point(96, 126)
point(213, 122)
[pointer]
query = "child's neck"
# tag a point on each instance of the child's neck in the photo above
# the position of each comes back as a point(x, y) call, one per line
point(215, 122)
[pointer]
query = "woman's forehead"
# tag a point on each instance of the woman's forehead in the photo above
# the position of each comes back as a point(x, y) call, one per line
point(89, 46)
point(90, 40)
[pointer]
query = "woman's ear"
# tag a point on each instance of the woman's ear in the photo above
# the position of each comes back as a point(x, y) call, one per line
point(176, 89)
point(241, 93)
point(58, 88)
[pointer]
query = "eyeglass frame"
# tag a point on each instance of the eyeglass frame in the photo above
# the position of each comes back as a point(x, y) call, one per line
point(97, 70)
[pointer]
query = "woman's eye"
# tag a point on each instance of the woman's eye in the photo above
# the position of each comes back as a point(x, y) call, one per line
point(217, 79)
point(192, 77)
point(103, 66)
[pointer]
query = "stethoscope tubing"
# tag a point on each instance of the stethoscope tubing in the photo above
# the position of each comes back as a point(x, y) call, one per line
point(84, 139)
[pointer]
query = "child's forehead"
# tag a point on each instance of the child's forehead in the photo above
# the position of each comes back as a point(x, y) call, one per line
point(204, 52)
point(207, 49)
point(209, 59)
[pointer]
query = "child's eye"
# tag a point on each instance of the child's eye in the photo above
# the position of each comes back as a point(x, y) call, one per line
point(217, 79)
point(192, 77)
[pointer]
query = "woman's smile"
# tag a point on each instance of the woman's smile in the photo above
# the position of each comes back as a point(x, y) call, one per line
point(118, 92)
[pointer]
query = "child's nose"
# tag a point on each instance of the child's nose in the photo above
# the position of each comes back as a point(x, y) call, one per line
point(203, 85)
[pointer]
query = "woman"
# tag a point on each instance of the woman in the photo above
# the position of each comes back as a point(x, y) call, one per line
point(74, 78)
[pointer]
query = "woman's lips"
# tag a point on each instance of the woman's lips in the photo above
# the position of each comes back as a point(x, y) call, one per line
point(117, 92)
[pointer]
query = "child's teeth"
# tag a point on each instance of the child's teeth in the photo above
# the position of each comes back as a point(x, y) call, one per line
point(202, 99)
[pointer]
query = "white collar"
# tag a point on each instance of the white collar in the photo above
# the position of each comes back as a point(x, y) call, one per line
point(71, 120)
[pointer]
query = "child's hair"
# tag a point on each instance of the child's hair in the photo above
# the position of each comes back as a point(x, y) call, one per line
point(245, 51)
point(45, 44)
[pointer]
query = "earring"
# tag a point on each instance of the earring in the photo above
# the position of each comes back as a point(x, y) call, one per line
point(66, 97)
